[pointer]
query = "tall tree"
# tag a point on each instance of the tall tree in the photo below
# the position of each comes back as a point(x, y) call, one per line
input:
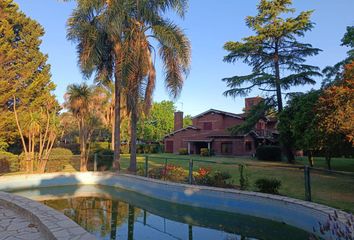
point(299, 123)
point(113, 37)
point(335, 111)
point(146, 25)
point(27, 105)
point(187, 121)
point(273, 50)
point(96, 27)
point(84, 103)
point(159, 122)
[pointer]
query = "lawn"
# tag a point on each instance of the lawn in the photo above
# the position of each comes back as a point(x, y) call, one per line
point(327, 188)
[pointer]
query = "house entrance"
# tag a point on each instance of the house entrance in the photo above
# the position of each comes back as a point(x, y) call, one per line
point(199, 145)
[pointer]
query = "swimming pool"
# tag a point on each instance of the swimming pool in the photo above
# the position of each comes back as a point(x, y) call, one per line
point(113, 213)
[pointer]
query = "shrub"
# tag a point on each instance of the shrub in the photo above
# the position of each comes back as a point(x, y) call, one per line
point(243, 176)
point(62, 153)
point(171, 173)
point(203, 177)
point(204, 152)
point(271, 186)
point(4, 146)
point(105, 159)
point(124, 149)
point(183, 151)
point(98, 146)
point(219, 179)
point(269, 153)
point(140, 148)
point(9, 162)
point(73, 147)
point(58, 158)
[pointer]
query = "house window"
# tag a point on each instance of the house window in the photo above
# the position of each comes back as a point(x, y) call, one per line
point(248, 146)
point(207, 125)
point(226, 148)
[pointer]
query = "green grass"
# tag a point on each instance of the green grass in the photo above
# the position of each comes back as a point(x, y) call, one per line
point(327, 188)
point(338, 164)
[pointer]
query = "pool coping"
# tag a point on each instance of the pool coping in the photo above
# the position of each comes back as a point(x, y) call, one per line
point(51, 224)
point(230, 200)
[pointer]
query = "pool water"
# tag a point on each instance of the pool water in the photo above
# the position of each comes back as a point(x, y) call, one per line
point(111, 213)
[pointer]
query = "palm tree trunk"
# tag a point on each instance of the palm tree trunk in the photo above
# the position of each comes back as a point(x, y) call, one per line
point(117, 95)
point(133, 129)
point(112, 136)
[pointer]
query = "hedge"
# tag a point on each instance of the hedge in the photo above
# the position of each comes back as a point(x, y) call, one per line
point(269, 153)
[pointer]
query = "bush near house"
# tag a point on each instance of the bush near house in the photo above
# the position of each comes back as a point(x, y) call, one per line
point(204, 152)
point(269, 153)
point(271, 186)
point(183, 151)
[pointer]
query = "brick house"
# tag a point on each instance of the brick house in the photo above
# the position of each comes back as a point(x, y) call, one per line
point(210, 130)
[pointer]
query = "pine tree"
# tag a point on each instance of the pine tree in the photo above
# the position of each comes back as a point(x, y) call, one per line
point(25, 80)
point(272, 50)
point(276, 56)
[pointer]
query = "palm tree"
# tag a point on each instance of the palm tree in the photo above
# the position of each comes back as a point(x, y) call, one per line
point(81, 101)
point(104, 31)
point(95, 27)
point(174, 50)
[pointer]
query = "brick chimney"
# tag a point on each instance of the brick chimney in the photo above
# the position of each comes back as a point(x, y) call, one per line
point(250, 102)
point(178, 120)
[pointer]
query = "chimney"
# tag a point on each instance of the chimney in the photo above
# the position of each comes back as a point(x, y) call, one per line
point(178, 120)
point(250, 102)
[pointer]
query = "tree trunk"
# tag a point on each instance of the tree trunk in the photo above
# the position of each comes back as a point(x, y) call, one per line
point(328, 160)
point(83, 150)
point(133, 129)
point(277, 79)
point(289, 154)
point(114, 216)
point(112, 136)
point(117, 94)
point(131, 221)
point(310, 157)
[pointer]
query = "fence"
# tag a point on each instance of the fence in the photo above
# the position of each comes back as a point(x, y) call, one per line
point(312, 184)
point(332, 188)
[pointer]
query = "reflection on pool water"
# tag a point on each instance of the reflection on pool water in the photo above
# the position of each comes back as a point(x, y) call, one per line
point(111, 213)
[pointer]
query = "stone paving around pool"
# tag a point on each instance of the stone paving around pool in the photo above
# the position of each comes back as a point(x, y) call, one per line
point(24, 219)
point(14, 226)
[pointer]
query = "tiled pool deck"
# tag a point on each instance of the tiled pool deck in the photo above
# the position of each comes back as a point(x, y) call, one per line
point(15, 226)
point(22, 218)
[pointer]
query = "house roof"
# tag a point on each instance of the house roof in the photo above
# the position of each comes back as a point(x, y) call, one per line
point(180, 130)
point(234, 115)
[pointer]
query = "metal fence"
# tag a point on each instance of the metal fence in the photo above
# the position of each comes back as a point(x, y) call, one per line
point(319, 185)
point(332, 188)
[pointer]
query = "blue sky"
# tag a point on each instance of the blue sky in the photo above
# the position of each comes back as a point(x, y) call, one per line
point(208, 24)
